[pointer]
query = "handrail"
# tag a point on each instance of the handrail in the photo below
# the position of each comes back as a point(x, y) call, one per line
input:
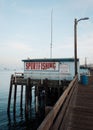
point(47, 122)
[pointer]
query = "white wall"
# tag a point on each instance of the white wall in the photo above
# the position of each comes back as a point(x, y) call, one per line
point(65, 70)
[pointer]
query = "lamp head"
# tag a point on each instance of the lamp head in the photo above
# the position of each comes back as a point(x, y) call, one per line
point(85, 18)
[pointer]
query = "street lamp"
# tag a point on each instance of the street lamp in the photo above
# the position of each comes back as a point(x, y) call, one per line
point(75, 40)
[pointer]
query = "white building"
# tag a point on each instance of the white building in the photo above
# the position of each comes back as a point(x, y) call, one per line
point(52, 69)
point(84, 70)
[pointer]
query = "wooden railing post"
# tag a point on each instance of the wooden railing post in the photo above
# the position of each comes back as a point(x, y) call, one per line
point(48, 121)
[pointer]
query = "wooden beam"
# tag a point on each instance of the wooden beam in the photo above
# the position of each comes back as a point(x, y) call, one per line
point(47, 123)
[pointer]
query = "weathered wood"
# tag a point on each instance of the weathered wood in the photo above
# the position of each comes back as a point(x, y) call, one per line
point(71, 99)
point(18, 79)
point(21, 98)
point(63, 110)
point(80, 116)
point(15, 92)
point(27, 98)
point(46, 89)
point(48, 121)
point(63, 97)
point(30, 95)
point(36, 98)
point(47, 109)
point(14, 82)
point(10, 93)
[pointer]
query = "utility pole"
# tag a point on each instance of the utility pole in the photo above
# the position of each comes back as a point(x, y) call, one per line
point(75, 40)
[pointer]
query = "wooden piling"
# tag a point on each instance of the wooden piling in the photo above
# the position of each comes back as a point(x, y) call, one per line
point(59, 86)
point(21, 99)
point(27, 98)
point(15, 92)
point(30, 94)
point(46, 90)
point(36, 98)
point(10, 93)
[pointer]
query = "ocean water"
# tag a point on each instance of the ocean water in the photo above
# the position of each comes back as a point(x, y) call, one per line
point(19, 120)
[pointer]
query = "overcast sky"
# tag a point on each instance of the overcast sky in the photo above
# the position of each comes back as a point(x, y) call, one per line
point(25, 30)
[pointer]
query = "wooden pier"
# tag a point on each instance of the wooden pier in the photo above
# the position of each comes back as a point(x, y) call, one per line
point(56, 87)
point(16, 80)
point(73, 110)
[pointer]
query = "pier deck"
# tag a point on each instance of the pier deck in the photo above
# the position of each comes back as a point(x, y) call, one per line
point(73, 110)
point(81, 114)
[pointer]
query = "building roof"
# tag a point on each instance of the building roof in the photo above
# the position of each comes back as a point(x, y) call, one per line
point(50, 60)
point(84, 67)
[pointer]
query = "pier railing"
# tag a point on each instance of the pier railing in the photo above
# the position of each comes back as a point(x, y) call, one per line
point(56, 116)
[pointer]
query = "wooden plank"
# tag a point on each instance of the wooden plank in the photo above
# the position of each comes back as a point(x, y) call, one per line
point(74, 128)
point(64, 122)
point(81, 115)
point(63, 97)
point(63, 110)
point(46, 124)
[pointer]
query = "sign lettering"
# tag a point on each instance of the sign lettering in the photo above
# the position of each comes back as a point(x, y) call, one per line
point(40, 65)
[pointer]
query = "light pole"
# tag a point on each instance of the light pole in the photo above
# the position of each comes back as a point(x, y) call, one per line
point(75, 40)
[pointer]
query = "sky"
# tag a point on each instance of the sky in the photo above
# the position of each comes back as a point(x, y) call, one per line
point(25, 30)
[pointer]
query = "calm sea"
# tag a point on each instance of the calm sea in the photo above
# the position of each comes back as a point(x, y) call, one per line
point(19, 121)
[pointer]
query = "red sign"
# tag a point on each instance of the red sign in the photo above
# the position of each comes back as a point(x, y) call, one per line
point(40, 65)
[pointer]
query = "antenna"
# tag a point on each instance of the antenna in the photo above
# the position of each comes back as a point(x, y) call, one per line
point(85, 61)
point(51, 33)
